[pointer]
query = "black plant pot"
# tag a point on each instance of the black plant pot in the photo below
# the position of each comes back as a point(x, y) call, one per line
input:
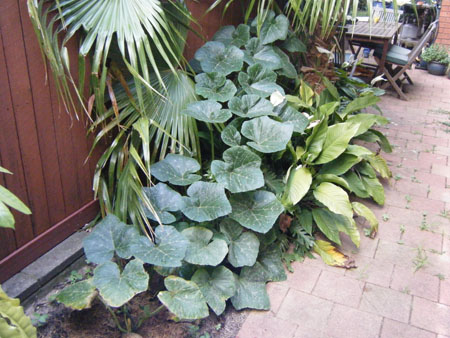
point(436, 68)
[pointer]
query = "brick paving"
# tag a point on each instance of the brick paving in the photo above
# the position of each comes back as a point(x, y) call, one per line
point(384, 296)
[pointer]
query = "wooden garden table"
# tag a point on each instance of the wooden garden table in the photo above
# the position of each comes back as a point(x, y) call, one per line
point(366, 34)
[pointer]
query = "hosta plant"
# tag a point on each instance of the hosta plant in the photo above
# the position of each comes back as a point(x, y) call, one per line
point(278, 164)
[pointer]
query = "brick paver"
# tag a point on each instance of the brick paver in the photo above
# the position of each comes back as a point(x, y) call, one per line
point(384, 296)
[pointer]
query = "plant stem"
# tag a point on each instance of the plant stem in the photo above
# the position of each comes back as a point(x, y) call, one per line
point(151, 314)
point(212, 141)
point(116, 320)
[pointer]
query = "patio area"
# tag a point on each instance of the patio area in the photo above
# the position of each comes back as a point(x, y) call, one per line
point(401, 287)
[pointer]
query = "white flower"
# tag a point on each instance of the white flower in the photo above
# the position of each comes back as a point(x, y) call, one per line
point(378, 78)
point(276, 98)
point(313, 124)
point(309, 117)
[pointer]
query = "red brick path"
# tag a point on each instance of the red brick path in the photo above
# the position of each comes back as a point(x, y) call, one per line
point(384, 297)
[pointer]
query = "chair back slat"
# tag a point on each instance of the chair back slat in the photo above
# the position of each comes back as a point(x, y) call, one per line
point(422, 42)
point(386, 15)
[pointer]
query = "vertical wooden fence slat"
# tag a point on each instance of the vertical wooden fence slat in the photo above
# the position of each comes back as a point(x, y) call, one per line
point(10, 150)
point(44, 119)
point(24, 114)
point(7, 238)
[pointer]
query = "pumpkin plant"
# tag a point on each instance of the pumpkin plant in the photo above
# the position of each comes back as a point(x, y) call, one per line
point(278, 164)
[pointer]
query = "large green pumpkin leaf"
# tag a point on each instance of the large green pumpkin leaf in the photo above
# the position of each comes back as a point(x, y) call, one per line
point(243, 246)
point(78, 296)
point(163, 199)
point(183, 298)
point(274, 28)
point(268, 267)
point(268, 136)
point(168, 250)
point(250, 294)
point(229, 35)
point(336, 141)
point(250, 106)
point(214, 86)
point(267, 57)
point(13, 321)
point(215, 57)
point(216, 287)
point(206, 202)
point(109, 236)
point(297, 185)
point(231, 136)
point(256, 210)
point(259, 80)
point(240, 171)
point(335, 198)
point(340, 165)
point(207, 111)
point(293, 44)
point(359, 103)
point(363, 211)
point(118, 288)
point(177, 170)
point(287, 68)
point(291, 116)
point(201, 250)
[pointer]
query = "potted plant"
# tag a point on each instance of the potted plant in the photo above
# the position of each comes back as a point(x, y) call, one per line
point(437, 58)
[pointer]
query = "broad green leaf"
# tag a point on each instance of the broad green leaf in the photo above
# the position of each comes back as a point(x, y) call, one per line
point(14, 323)
point(328, 108)
point(291, 116)
point(268, 58)
point(287, 68)
point(274, 28)
point(335, 198)
point(163, 199)
point(368, 136)
point(359, 103)
point(357, 150)
point(229, 35)
point(250, 106)
point(365, 169)
point(331, 223)
point(332, 179)
point(336, 141)
point(231, 136)
point(259, 80)
point(257, 210)
point(250, 294)
point(305, 219)
point(183, 298)
point(214, 86)
point(177, 170)
point(306, 93)
point(297, 185)
point(168, 250)
point(207, 111)
point(268, 266)
point(268, 136)
point(363, 211)
point(314, 143)
point(215, 57)
point(11, 200)
point(206, 202)
point(6, 217)
point(380, 165)
point(201, 249)
point(118, 288)
point(243, 246)
point(331, 88)
point(374, 188)
point(5, 171)
point(382, 141)
point(216, 287)
point(340, 165)
point(366, 121)
point(331, 255)
point(109, 236)
point(356, 184)
point(240, 171)
point(294, 44)
point(78, 296)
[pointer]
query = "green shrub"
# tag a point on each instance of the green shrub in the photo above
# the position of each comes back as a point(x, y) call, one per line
point(436, 53)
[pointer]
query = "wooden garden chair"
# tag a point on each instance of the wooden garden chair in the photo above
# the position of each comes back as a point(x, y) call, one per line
point(399, 60)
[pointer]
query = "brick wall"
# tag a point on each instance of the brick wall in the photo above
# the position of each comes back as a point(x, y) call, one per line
point(444, 24)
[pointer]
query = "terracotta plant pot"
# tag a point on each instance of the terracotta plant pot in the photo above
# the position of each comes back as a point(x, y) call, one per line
point(436, 68)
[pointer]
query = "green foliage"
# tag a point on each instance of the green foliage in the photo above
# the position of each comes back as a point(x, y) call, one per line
point(436, 53)
point(8, 199)
point(13, 321)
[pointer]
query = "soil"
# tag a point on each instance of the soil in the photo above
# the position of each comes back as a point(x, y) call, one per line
point(97, 322)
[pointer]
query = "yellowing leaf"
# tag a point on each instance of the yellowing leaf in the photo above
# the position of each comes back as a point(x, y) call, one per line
point(332, 256)
point(380, 165)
